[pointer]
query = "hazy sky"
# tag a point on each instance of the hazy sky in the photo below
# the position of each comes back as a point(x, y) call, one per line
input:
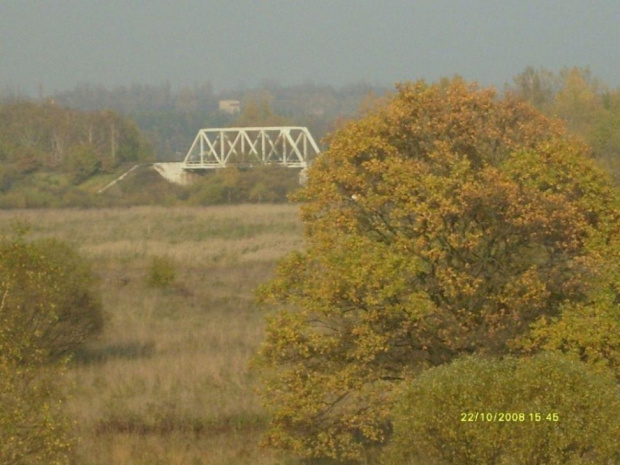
point(60, 43)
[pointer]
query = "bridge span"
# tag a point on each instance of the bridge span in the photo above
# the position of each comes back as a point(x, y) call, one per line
point(290, 146)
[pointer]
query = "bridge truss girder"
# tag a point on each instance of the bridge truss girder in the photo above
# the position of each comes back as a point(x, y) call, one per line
point(290, 146)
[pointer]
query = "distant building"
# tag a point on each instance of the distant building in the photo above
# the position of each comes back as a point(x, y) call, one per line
point(230, 106)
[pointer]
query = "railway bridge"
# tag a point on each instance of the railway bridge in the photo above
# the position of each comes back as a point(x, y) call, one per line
point(290, 146)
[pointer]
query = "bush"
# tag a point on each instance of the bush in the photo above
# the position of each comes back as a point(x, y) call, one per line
point(8, 176)
point(81, 163)
point(33, 429)
point(570, 414)
point(48, 307)
point(258, 184)
point(208, 191)
point(161, 273)
point(50, 301)
point(12, 200)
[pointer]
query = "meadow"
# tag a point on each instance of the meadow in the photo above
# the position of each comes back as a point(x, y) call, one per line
point(169, 381)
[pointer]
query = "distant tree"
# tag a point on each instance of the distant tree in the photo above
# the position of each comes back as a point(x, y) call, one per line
point(81, 163)
point(231, 178)
point(257, 111)
point(260, 193)
point(588, 108)
point(604, 136)
point(578, 101)
point(538, 87)
point(444, 224)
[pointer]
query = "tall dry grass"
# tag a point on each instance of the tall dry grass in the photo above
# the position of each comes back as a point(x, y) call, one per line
point(168, 382)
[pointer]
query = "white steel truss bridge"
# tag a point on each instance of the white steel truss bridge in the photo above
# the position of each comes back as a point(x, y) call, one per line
point(290, 146)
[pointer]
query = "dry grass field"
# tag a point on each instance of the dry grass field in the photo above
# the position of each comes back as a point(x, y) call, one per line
point(168, 382)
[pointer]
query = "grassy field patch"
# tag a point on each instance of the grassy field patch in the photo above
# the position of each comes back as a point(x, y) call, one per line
point(168, 381)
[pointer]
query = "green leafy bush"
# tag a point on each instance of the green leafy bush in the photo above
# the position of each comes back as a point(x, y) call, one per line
point(260, 184)
point(48, 307)
point(161, 273)
point(50, 300)
point(559, 412)
point(81, 163)
point(33, 427)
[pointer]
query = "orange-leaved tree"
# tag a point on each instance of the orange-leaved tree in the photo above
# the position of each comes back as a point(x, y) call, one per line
point(443, 224)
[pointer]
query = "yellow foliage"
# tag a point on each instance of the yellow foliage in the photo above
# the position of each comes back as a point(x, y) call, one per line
point(33, 429)
point(443, 224)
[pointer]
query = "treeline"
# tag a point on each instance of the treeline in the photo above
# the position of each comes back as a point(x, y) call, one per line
point(171, 118)
point(53, 156)
point(47, 150)
point(57, 151)
point(60, 151)
point(588, 107)
point(47, 135)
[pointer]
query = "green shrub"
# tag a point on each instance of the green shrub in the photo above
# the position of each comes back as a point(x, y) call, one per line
point(50, 300)
point(564, 414)
point(12, 200)
point(161, 272)
point(8, 176)
point(256, 185)
point(48, 307)
point(81, 163)
point(33, 428)
point(208, 191)
point(80, 198)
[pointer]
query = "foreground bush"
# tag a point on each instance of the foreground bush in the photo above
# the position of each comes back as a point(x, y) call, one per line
point(50, 301)
point(48, 307)
point(33, 429)
point(560, 413)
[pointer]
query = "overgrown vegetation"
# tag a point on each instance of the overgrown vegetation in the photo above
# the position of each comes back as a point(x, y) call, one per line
point(257, 185)
point(51, 305)
point(161, 273)
point(449, 222)
point(546, 409)
point(168, 380)
point(266, 184)
point(48, 152)
point(48, 308)
point(586, 105)
point(34, 426)
point(61, 151)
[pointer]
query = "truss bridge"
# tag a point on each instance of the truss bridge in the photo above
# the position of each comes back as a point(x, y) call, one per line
point(289, 146)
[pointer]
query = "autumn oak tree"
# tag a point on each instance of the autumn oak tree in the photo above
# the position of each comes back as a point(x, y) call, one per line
point(445, 223)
